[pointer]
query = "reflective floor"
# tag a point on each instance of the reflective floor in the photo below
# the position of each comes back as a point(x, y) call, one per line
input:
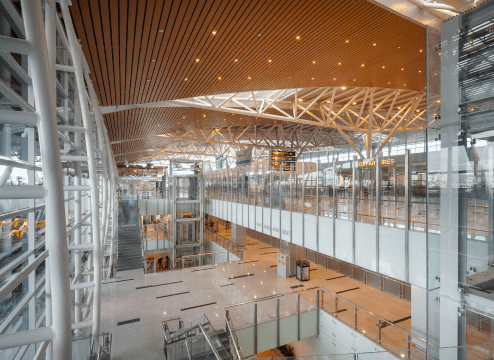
point(154, 297)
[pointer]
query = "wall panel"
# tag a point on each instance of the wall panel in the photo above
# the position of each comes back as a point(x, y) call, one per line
point(343, 240)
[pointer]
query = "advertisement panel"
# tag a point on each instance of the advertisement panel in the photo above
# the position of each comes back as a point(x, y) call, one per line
point(243, 157)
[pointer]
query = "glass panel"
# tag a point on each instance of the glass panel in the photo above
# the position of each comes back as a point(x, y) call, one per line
point(393, 193)
point(326, 183)
point(366, 194)
point(310, 188)
point(344, 175)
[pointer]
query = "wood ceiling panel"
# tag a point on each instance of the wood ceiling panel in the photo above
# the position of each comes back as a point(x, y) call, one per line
point(142, 51)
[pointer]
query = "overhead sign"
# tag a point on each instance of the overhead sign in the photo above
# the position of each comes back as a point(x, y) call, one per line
point(282, 160)
point(243, 157)
point(373, 162)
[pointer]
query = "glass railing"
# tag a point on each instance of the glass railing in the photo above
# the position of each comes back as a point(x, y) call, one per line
point(275, 307)
point(221, 257)
point(197, 339)
point(469, 352)
point(315, 357)
point(222, 241)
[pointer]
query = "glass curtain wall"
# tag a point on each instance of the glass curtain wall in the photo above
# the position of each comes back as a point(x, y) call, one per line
point(460, 168)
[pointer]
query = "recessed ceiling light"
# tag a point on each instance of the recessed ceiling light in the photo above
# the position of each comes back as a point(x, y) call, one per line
point(389, 83)
point(313, 62)
point(269, 60)
point(258, 34)
point(161, 30)
point(312, 78)
point(236, 60)
point(402, 69)
point(248, 78)
point(204, 115)
point(383, 67)
point(197, 60)
point(354, 103)
point(346, 41)
point(420, 50)
point(299, 99)
point(214, 32)
point(417, 111)
point(185, 79)
point(184, 117)
point(362, 65)
point(343, 88)
point(373, 44)
point(354, 79)
point(328, 101)
point(298, 38)
point(339, 63)
point(219, 78)
point(334, 79)
point(153, 60)
point(149, 80)
point(420, 71)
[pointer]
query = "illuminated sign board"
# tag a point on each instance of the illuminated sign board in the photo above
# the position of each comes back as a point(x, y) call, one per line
point(373, 162)
point(282, 160)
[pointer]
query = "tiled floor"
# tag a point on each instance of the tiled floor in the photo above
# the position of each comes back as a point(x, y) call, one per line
point(156, 300)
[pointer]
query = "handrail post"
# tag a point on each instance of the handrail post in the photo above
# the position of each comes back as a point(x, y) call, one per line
point(255, 328)
point(379, 327)
point(277, 322)
point(335, 306)
point(227, 316)
point(298, 316)
point(409, 340)
point(318, 315)
point(355, 311)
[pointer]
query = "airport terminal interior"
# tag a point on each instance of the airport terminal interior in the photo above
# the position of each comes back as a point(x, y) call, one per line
point(228, 180)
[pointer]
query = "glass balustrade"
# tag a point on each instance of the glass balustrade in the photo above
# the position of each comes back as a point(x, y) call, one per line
point(392, 188)
point(276, 307)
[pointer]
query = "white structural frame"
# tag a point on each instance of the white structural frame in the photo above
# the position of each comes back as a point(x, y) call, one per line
point(330, 114)
point(58, 111)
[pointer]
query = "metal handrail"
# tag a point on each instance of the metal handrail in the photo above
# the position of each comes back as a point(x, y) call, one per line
point(206, 336)
point(326, 290)
point(228, 320)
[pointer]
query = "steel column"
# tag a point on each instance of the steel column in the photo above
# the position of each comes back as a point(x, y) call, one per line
point(55, 233)
point(303, 204)
point(317, 206)
point(354, 204)
point(335, 194)
point(76, 52)
point(378, 206)
point(407, 213)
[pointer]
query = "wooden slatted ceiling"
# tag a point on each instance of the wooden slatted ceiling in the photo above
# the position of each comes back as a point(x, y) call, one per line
point(142, 51)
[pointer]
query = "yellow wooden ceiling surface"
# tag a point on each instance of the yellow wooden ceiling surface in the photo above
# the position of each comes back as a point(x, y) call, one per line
point(146, 51)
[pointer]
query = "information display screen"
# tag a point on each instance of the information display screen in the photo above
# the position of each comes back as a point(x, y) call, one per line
point(282, 160)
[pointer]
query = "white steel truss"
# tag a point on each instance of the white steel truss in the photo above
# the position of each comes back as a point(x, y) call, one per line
point(350, 109)
point(360, 110)
point(74, 208)
point(227, 140)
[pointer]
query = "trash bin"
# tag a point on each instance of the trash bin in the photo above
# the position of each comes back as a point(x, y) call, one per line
point(303, 270)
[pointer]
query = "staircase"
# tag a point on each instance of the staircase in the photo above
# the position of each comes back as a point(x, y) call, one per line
point(199, 341)
point(129, 236)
